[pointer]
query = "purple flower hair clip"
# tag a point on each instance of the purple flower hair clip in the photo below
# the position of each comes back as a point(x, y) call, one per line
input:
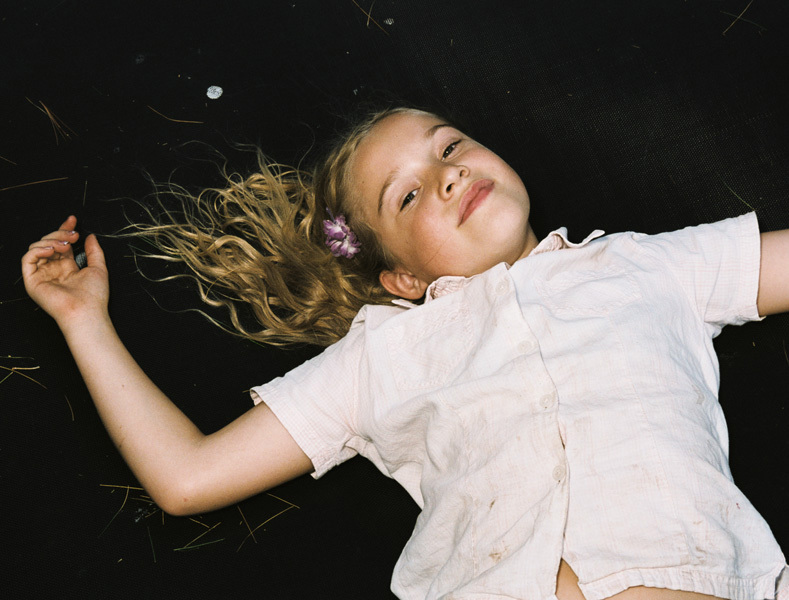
point(339, 237)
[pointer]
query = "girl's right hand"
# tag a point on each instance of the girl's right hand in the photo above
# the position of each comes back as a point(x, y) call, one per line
point(55, 282)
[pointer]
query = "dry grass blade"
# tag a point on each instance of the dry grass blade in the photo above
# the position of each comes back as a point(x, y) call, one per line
point(728, 14)
point(282, 500)
point(125, 487)
point(209, 530)
point(738, 17)
point(13, 187)
point(18, 370)
point(71, 408)
point(60, 129)
point(153, 551)
point(181, 549)
point(173, 120)
point(251, 533)
point(369, 16)
point(128, 488)
point(736, 195)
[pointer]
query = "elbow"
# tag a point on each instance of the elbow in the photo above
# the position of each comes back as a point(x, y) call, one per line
point(177, 507)
point(179, 499)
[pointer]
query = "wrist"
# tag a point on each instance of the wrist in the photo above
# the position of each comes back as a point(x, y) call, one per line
point(83, 322)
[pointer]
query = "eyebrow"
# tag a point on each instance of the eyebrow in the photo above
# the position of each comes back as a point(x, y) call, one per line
point(429, 133)
point(432, 130)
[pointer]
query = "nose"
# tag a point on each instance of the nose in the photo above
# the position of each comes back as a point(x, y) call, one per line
point(450, 176)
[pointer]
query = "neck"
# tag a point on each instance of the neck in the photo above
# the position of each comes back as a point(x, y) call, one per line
point(531, 242)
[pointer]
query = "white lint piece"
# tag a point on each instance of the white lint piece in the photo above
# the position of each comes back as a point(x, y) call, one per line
point(214, 92)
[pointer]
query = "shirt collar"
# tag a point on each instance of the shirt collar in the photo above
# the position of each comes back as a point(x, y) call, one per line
point(556, 240)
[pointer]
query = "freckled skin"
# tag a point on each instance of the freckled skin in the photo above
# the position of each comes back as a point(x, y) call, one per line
point(424, 233)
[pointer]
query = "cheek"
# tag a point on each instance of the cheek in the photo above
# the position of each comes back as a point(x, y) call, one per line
point(425, 249)
point(428, 234)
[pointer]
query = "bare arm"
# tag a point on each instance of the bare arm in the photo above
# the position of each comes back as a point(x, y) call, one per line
point(183, 470)
point(774, 273)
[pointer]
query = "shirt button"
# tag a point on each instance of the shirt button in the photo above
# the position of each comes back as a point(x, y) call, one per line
point(547, 400)
point(558, 472)
point(502, 287)
point(525, 347)
point(700, 397)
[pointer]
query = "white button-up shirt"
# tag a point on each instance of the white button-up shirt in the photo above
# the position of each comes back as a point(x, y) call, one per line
point(563, 407)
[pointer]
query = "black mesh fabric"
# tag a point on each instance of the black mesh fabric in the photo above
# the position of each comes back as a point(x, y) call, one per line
point(619, 115)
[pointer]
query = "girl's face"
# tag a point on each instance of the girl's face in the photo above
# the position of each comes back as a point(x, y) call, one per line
point(441, 203)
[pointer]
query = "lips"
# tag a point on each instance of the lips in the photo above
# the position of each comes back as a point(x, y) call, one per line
point(473, 197)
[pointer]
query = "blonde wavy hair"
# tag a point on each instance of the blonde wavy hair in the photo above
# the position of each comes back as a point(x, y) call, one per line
point(258, 242)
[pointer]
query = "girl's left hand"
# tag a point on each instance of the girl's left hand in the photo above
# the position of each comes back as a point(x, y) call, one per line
point(55, 282)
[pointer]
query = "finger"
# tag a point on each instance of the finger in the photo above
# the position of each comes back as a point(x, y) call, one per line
point(62, 234)
point(60, 246)
point(69, 224)
point(37, 252)
point(94, 253)
point(31, 258)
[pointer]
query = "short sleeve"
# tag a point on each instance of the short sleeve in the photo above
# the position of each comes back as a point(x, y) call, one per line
point(717, 265)
point(316, 402)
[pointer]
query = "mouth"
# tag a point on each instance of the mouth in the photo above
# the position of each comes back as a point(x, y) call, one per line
point(473, 197)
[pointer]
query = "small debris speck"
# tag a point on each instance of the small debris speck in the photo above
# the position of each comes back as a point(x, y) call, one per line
point(214, 92)
point(389, 21)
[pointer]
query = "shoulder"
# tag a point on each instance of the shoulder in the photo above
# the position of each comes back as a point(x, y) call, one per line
point(699, 238)
point(371, 316)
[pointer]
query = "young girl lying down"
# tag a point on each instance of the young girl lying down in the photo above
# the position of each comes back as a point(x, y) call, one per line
point(550, 405)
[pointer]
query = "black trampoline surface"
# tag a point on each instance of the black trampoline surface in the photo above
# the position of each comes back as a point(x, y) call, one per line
point(618, 115)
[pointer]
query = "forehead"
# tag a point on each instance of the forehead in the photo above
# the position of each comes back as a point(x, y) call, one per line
point(388, 146)
point(398, 130)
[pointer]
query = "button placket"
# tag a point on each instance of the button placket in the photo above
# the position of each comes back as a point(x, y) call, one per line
point(700, 397)
point(547, 400)
point(525, 347)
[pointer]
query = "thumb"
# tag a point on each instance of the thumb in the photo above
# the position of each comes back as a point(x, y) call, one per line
point(94, 253)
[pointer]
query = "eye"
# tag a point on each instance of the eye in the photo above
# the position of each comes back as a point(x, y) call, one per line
point(449, 150)
point(407, 199)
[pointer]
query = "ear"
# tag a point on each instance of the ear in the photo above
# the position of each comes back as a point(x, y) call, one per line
point(402, 283)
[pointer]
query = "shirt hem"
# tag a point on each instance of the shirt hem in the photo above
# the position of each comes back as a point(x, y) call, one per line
point(689, 580)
